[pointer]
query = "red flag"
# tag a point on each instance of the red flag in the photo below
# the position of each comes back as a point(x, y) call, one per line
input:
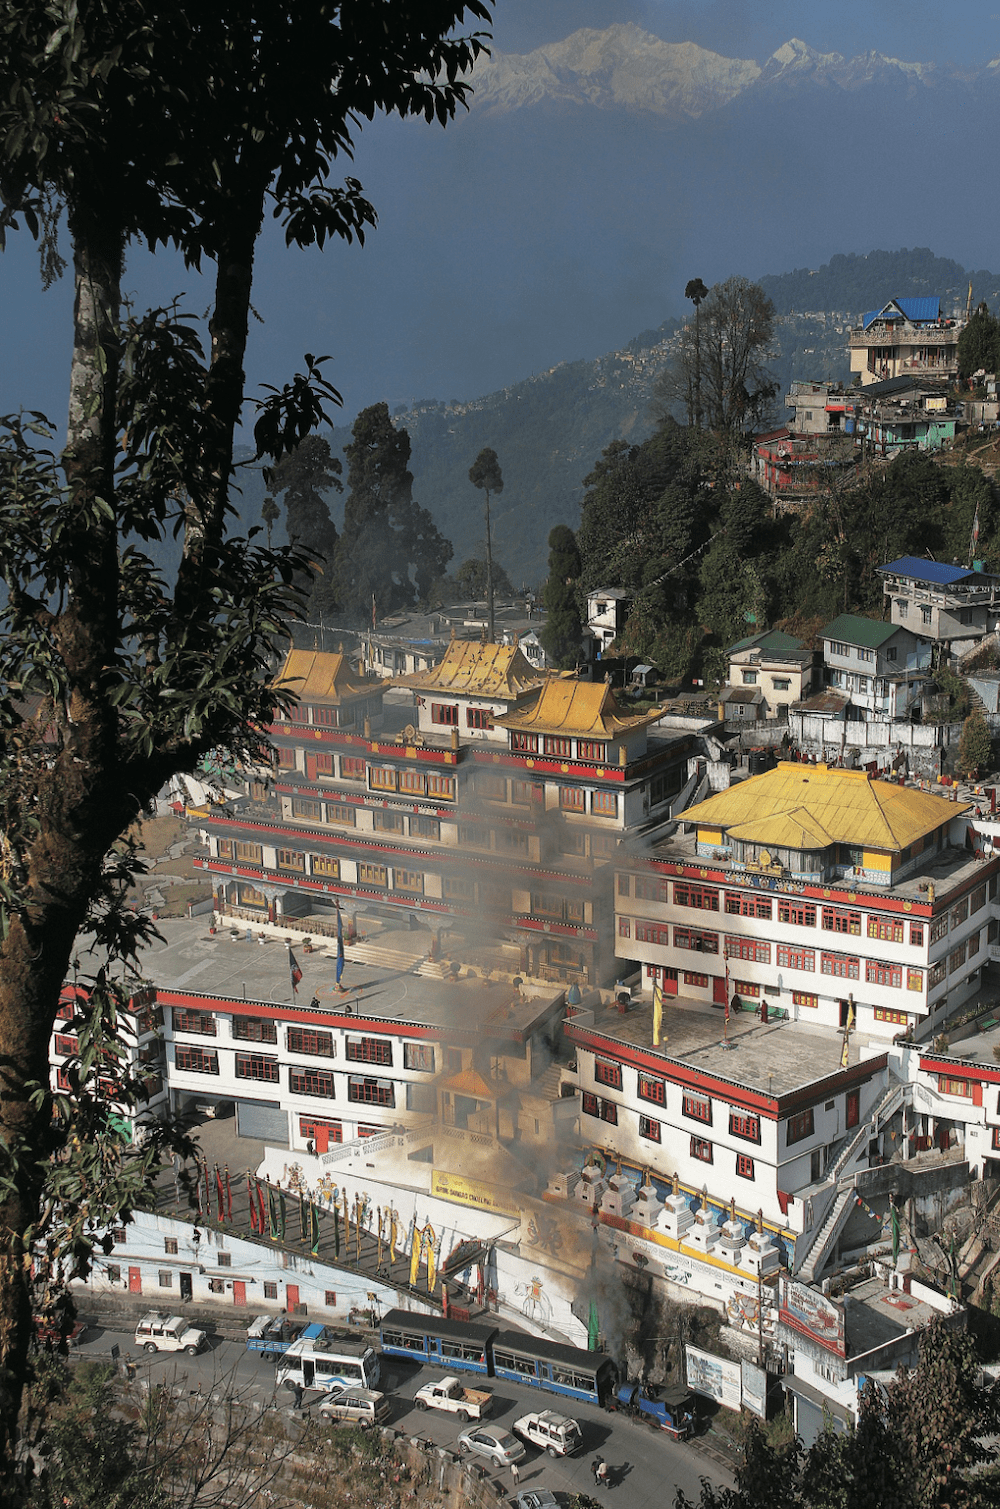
point(262, 1223)
point(208, 1195)
point(229, 1196)
point(253, 1206)
point(219, 1197)
point(294, 971)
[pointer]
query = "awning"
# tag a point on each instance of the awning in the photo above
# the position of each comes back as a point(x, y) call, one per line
point(822, 1401)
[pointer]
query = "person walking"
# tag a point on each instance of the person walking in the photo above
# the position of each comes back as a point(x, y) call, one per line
point(515, 1474)
point(601, 1475)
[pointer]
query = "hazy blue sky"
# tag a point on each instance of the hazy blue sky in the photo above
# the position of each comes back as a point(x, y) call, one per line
point(472, 281)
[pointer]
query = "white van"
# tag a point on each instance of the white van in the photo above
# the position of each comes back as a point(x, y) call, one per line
point(168, 1333)
point(557, 1434)
point(356, 1406)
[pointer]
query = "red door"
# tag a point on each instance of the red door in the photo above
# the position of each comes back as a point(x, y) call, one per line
point(239, 1292)
point(718, 990)
point(322, 1139)
point(670, 982)
point(135, 1281)
point(291, 1296)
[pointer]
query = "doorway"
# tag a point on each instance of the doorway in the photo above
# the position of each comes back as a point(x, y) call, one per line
point(186, 1288)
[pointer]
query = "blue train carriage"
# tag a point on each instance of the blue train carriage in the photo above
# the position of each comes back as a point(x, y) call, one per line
point(455, 1345)
point(558, 1369)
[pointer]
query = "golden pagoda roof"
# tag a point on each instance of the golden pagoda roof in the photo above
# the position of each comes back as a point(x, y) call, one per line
point(813, 806)
point(478, 670)
point(320, 676)
point(569, 706)
point(470, 1083)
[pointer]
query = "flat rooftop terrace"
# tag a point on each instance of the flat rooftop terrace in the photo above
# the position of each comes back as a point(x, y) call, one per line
point(776, 1058)
point(241, 968)
point(875, 1315)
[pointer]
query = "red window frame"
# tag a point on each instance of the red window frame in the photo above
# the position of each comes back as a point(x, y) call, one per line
point(649, 1129)
point(701, 1149)
point(744, 1124)
point(744, 1166)
point(308, 1041)
point(607, 1074)
point(368, 1050)
point(445, 712)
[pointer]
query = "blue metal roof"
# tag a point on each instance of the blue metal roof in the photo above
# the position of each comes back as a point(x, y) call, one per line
point(916, 310)
point(928, 571)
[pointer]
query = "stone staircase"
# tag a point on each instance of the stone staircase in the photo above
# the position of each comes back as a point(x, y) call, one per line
point(840, 1177)
point(836, 1219)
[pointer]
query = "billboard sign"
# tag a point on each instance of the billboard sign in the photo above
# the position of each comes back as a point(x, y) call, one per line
point(754, 1388)
point(716, 1377)
point(813, 1315)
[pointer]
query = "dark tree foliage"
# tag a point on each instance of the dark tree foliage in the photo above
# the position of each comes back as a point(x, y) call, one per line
point(303, 476)
point(979, 344)
point(921, 1442)
point(391, 552)
point(172, 124)
point(562, 634)
point(471, 580)
point(720, 369)
point(485, 474)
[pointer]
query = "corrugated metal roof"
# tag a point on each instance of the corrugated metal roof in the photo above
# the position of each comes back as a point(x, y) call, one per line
point(319, 676)
point(928, 571)
point(847, 805)
point(911, 309)
point(769, 639)
point(479, 670)
point(856, 630)
point(567, 706)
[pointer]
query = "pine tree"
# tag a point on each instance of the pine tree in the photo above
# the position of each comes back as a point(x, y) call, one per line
point(304, 475)
point(390, 552)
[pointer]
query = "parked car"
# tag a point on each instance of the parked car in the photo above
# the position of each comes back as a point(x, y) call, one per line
point(449, 1395)
point(354, 1406)
point(168, 1333)
point(490, 1441)
point(50, 1332)
point(536, 1498)
point(557, 1434)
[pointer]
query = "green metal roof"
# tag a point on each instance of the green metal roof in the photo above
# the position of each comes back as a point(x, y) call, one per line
point(770, 639)
point(853, 629)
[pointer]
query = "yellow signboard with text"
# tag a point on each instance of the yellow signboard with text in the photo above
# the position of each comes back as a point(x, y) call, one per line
point(493, 1198)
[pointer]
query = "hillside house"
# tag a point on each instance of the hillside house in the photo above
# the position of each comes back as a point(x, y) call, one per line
point(607, 611)
point(905, 337)
point(902, 414)
point(951, 606)
point(821, 408)
point(777, 665)
point(880, 666)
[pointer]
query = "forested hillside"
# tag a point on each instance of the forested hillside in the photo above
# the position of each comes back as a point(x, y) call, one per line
point(674, 520)
point(549, 430)
point(856, 283)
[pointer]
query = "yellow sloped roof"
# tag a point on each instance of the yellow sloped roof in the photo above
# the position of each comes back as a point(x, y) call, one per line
point(479, 670)
point(788, 830)
point(846, 805)
point(471, 1083)
point(319, 676)
point(568, 706)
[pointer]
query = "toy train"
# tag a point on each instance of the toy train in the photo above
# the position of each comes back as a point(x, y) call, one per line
point(477, 1348)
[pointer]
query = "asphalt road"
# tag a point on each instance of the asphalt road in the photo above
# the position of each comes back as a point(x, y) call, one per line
point(645, 1466)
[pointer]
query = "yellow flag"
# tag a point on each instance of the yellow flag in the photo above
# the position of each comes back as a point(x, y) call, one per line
point(415, 1255)
point(657, 1014)
point(431, 1260)
point(843, 1056)
point(393, 1234)
point(850, 1018)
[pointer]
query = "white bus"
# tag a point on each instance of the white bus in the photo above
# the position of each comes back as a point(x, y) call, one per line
point(330, 1363)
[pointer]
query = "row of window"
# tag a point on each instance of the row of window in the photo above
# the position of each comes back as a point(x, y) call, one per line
point(787, 955)
point(262, 1068)
point(794, 913)
point(559, 746)
point(697, 1107)
point(651, 1131)
point(309, 1041)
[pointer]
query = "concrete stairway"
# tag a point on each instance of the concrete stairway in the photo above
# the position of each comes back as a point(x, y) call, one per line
point(829, 1231)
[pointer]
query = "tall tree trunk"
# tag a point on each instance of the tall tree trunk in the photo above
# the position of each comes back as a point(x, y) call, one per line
point(70, 795)
point(490, 615)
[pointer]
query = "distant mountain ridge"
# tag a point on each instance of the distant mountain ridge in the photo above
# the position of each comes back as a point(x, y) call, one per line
point(625, 67)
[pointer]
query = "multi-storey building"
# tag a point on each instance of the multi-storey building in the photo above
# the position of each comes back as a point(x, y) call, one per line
point(951, 606)
point(906, 337)
point(823, 892)
point(881, 667)
point(494, 800)
point(777, 665)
